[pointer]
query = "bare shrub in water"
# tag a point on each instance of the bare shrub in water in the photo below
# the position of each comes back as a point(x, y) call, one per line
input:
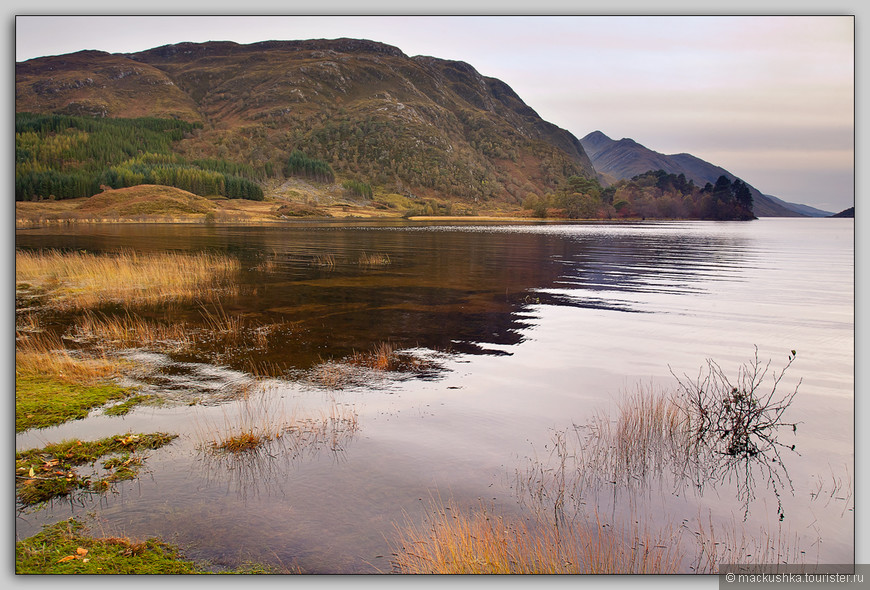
point(733, 428)
point(737, 420)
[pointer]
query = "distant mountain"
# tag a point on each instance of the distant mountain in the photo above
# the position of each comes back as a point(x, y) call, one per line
point(418, 126)
point(626, 158)
point(850, 212)
point(802, 209)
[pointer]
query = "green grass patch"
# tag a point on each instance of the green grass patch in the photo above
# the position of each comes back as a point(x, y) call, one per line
point(123, 408)
point(42, 401)
point(53, 471)
point(65, 548)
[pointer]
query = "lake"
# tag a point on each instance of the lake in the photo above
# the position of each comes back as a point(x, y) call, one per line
point(511, 334)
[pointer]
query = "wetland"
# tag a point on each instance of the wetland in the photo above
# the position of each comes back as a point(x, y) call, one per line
point(360, 396)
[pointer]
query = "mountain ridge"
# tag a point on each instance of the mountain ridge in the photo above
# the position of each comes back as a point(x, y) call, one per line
point(625, 158)
point(420, 126)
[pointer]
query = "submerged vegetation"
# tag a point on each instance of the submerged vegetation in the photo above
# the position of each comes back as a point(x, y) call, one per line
point(260, 422)
point(51, 472)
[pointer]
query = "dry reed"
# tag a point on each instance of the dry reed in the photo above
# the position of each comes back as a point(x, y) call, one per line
point(651, 431)
point(260, 421)
point(44, 354)
point(80, 280)
point(381, 358)
point(732, 544)
point(477, 542)
point(129, 330)
point(376, 259)
point(324, 261)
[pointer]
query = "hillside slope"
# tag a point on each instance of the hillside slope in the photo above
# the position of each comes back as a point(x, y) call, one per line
point(418, 126)
point(625, 158)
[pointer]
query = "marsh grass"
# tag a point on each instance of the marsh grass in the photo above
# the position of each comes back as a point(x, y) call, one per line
point(81, 280)
point(454, 541)
point(326, 261)
point(835, 488)
point(731, 543)
point(685, 438)
point(387, 357)
point(333, 375)
point(44, 354)
point(53, 385)
point(130, 330)
point(374, 259)
point(224, 333)
point(255, 445)
point(367, 367)
point(261, 422)
point(382, 357)
point(650, 433)
point(705, 433)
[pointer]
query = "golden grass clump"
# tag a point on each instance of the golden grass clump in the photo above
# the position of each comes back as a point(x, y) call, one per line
point(477, 542)
point(43, 354)
point(376, 259)
point(324, 261)
point(381, 358)
point(131, 330)
point(261, 421)
point(81, 280)
point(649, 431)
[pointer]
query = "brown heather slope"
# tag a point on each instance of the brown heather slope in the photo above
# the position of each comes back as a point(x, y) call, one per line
point(416, 126)
point(98, 84)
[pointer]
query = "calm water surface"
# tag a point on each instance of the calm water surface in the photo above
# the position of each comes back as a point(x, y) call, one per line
point(526, 330)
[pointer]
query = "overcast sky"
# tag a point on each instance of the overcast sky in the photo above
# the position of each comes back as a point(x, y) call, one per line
point(769, 98)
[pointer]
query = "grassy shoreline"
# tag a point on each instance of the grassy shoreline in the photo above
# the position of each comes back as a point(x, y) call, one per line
point(67, 547)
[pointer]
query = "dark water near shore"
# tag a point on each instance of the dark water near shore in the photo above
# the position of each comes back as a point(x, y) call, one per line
point(524, 330)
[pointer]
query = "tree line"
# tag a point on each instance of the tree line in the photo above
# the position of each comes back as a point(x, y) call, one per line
point(655, 194)
point(66, 157)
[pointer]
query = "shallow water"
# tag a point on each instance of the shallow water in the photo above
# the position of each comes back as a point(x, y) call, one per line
point(528, 330)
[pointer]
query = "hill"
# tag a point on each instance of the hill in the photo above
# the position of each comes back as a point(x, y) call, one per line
point(625, 158)
point(420, 127)
point(850, 212)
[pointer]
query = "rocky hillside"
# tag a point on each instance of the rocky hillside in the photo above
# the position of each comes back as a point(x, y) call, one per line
point(417, 126)
point(625, 158)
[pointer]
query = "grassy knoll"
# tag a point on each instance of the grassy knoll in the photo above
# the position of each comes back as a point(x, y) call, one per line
point(142, 204)
point(67, 548)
